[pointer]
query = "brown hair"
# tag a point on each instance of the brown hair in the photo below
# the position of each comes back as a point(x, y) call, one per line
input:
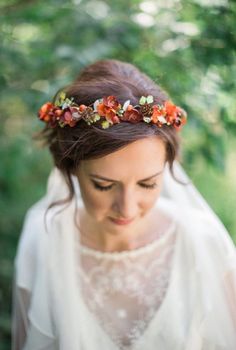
point(70, 145)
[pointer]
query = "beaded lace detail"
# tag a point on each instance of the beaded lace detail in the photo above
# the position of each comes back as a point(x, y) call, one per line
point(124, 290)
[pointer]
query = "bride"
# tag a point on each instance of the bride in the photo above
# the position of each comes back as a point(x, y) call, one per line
point(122, 252)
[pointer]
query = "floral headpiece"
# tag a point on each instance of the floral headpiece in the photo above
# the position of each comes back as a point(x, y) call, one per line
point(108, 111)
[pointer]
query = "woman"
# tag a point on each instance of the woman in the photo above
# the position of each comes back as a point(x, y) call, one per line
point(122, 252)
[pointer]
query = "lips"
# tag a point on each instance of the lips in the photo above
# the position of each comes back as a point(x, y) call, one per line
point(121, 221)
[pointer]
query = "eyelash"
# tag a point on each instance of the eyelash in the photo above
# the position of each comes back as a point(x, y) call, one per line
point(107, 188)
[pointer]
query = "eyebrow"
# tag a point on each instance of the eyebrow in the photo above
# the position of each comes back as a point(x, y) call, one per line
point(111, 180)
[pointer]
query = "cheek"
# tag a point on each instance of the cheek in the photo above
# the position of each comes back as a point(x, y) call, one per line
point(150, 199)
point(94, 204)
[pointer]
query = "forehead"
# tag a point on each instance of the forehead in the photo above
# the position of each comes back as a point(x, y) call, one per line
point(140, 158)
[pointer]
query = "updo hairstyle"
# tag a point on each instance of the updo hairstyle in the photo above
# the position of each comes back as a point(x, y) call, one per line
point(70, 145)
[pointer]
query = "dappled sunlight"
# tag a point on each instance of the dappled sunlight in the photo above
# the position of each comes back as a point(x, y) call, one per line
point(143, 19)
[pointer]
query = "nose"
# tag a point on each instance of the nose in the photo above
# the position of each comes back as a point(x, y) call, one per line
point(125, 204)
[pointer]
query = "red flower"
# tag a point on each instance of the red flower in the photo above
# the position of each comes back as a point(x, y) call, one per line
point(181, 119)
point(132, 115)
point(115, 119)
point(67, 118)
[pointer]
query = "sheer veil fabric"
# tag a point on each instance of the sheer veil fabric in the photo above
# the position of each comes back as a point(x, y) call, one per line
point(191, 303)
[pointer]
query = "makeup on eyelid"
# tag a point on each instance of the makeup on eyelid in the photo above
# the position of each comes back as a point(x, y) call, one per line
point(107, 188)
point(99, 177)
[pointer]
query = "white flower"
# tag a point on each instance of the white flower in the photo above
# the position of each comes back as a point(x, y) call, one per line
point(96, 103)
point(76, 115)
point(162, 119)
point(126, 104)
point(147, 119)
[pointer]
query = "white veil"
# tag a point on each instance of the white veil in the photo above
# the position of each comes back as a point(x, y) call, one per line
point(53, 247)
point(186, 194)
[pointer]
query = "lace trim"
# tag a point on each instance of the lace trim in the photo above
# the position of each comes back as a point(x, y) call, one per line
point(125, 295)
point(148, 248)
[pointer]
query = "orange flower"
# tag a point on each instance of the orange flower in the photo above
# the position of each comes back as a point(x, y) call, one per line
point(172, 112)
point(45, 111)
point(82, 108)
point(183, 116)
point(132, 115)
point(58, 112)
point(156, 113)
point(108, 108)
point(111, 102)
point(170, 108)
point(67, 112)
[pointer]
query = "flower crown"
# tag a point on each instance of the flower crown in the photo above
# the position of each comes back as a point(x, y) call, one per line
point(108, 111)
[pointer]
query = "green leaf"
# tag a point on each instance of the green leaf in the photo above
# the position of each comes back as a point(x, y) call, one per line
point(150, 99)
point(142, 100)
point(105, 124)
point(96, 117)
point(62, 96)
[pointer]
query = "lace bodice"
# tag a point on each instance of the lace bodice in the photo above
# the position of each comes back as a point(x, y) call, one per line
point(124, 290)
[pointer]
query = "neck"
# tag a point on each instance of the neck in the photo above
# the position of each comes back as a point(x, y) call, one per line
point(137, 235)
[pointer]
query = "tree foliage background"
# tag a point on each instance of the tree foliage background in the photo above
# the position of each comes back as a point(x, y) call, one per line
point(188, 47)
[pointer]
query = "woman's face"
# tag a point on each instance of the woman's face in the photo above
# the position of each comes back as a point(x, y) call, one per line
point(124, 184)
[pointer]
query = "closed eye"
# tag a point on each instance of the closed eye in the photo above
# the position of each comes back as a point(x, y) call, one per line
point(149, 186)
point(107, 188)
point(102, 188)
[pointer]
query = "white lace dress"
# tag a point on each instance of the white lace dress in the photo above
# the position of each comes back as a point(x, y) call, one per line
point(124, 290)
point(178, 292)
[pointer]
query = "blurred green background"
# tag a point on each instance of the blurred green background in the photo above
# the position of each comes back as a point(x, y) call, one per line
point(188, 47)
